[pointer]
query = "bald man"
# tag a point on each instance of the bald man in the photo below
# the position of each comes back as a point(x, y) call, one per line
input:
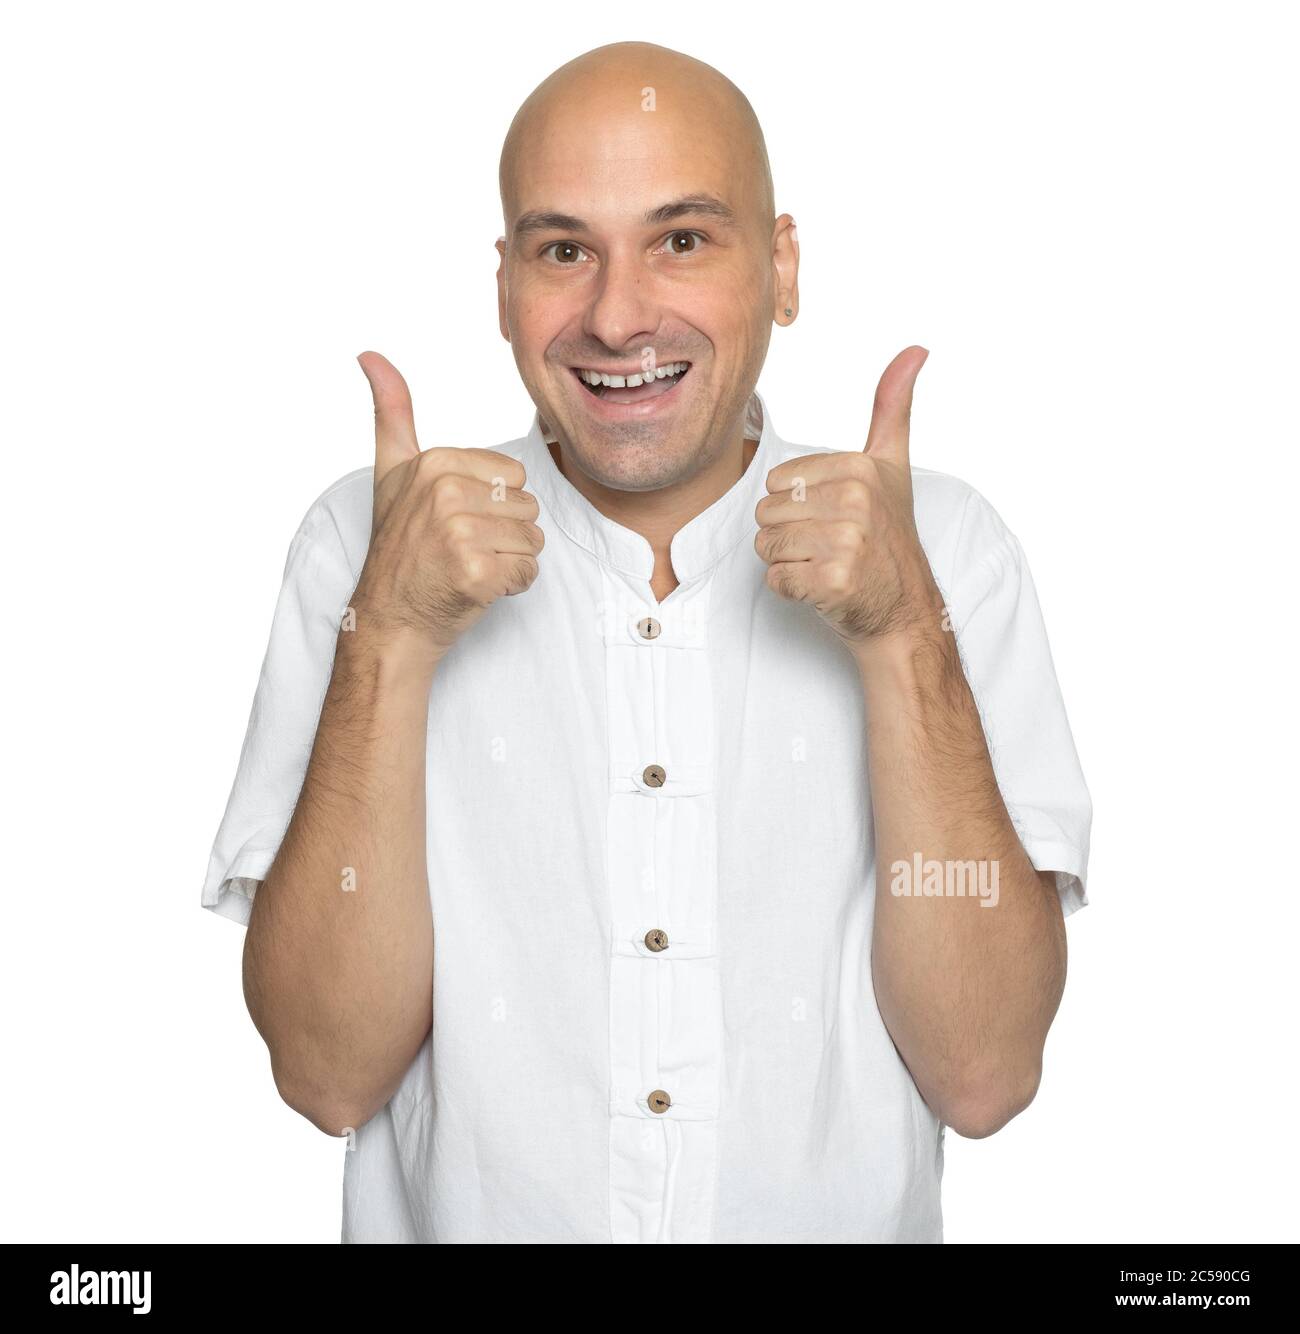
point(622, 850)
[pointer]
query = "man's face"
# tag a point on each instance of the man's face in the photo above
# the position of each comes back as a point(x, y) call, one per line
point(655, 253)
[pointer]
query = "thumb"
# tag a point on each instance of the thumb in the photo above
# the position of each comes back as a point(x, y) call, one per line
point(394, 416)
point(891, 414)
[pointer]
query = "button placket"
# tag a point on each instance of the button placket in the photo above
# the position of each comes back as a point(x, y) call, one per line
point(665, 1029)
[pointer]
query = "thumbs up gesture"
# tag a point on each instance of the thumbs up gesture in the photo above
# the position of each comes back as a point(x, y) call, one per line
point(452, 529)
point(838, 530)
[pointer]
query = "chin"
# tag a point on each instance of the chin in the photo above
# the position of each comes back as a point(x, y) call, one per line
point(632, 469)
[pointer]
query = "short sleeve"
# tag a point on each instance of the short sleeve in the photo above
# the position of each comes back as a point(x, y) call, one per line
point(993, 608)
point(299, 659)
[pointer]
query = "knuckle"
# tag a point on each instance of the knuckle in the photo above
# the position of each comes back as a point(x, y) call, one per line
point(473, 567)
point(436, 459)
point(855, 492)
point(847, 536)
point(460, 528)
point(449, 491)
point(837, 581)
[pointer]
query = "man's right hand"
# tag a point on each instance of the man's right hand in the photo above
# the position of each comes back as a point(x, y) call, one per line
point(453, 529)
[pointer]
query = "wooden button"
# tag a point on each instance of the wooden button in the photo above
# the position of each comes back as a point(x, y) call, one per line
point(649, 628)
point(653, 775)
point(659, 1101)
point(656, 940)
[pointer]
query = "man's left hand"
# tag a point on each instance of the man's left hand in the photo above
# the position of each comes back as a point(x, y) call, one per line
point(838, 530)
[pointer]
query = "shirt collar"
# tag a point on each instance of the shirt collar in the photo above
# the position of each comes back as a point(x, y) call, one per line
point(698, 546)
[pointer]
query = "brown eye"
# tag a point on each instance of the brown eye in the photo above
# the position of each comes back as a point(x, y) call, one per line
point(678, 237)
point(565, 252)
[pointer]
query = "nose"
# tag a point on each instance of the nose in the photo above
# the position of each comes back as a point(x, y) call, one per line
point(624, 310)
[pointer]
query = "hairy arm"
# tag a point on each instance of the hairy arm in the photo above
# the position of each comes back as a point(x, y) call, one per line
point(967, 986)
point(338, 961)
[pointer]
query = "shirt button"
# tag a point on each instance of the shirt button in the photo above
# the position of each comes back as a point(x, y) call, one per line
point(649, 628)
point(656, 940)
point(653, 775)
point(659, 1101)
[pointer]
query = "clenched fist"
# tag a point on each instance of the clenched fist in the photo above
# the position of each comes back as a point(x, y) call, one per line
point(453, 529)
point(839, 531)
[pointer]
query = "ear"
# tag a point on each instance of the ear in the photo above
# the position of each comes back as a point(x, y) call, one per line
point(785, 268)
point(501, 289)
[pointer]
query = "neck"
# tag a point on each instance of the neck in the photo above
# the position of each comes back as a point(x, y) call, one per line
point(659, 515)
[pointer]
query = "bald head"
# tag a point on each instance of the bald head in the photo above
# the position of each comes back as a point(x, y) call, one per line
point(630, 101)
point(640, 243)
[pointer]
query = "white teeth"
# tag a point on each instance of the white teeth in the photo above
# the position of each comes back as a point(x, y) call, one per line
point(594, 378)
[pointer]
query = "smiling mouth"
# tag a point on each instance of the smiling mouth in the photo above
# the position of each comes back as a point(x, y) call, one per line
point(636, 388)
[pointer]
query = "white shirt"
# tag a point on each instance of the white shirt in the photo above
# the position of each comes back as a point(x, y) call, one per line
point(533, 1111)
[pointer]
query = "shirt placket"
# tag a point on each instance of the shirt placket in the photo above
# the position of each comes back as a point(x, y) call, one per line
point(665, 997)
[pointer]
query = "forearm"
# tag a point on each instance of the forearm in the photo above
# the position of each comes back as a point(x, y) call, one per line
point(967, 986)
point(338, 963)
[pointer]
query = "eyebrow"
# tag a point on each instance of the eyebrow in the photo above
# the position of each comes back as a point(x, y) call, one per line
point(705, 205)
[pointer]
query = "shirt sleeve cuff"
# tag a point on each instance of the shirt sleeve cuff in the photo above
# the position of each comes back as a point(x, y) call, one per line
point(1070, 866)
point(229, 893)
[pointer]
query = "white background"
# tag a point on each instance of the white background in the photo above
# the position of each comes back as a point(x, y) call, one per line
point(1086, 212)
